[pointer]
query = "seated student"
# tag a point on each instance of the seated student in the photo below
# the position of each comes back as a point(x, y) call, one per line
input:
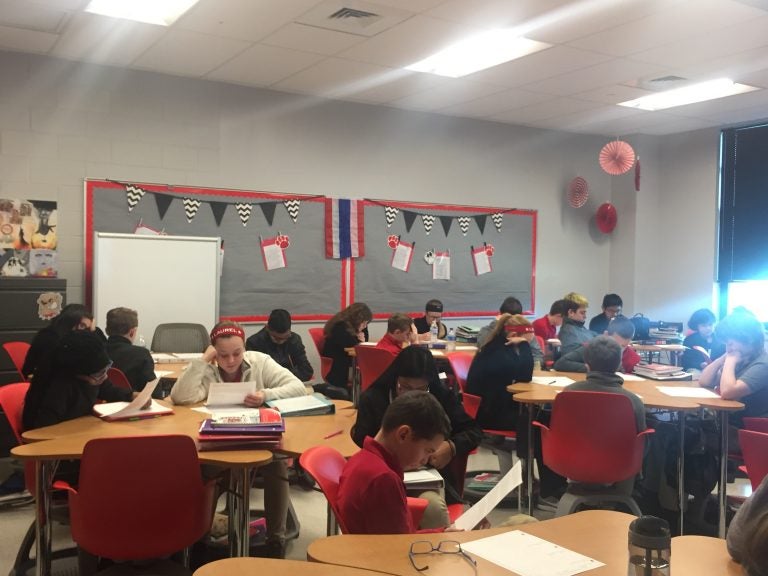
point(134, 361)
point(400, 332)
point(70, 384)
point(505, 358)
point(284, 346)
point(573, 333)
point(701, 346)
point(621, 330)
point(345, 330)
point(226, 360)
point(546, 326)
point(371, 494)
point(612, 305)
point(511, 305)
point(414, 369)
point(747, 539)
point(433, 313)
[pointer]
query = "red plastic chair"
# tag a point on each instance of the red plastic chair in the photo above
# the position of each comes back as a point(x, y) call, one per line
point(756, 424)
point(592, 439)
point(118, 378)
point(371, 362)
point(754, 447)
point(18, 352)
point(460, 363)
point(130, 504)
point(318, 337)
point(547, 363)
point(325, 465)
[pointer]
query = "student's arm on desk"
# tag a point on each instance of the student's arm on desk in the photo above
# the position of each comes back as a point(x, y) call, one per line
point(731, 388)
point(277, 382)
point(192, 385)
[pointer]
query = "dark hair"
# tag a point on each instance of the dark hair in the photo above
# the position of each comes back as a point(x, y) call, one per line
point(622, 326)
point(743, 328)
point(70, 317)
point(419, 410)
point(279, 321)
point(572, 306)
point(559, 307)
point(755, 553)
point(511, 305)
point(120, 321)
point(701, 316)
point(612, 300)
point(411, 362)
point(433, 305)
point(399, 321)
point(602, 354)
point(352, 316)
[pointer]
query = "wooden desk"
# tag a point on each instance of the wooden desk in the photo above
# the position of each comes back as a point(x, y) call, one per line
point(251, 566)
point(697, 555)
point(304, 432)
point(674, 350)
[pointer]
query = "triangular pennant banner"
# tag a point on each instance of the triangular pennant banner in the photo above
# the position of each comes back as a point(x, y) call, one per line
point(191, 206)
point(410, 218)
point(429, 221)
point(163, 202)
point(133, 194)
point(390, 213)
point(218, 209)
point(293, 208)
point(244, 211)
point(480, 220)
point(497, 218)
point(447, 222)
point(268, 209)
point(464, 224)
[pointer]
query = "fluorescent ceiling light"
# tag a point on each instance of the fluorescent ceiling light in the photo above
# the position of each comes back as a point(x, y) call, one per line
point(162, 12)
point(478, 53)
point(701, 92)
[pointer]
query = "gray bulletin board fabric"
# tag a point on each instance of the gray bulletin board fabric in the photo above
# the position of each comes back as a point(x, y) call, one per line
point(386, 289)
point(309, 287)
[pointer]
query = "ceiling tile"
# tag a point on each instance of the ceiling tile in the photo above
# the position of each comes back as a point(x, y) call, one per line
point(493, 104)
point(397, 84)
point(736, 102)
point(735, 66)
point(31, 16)
point(263, 65)
point(548, 109)
point(495, 13)
point(334, 77)
point(26, 40)
point(311, 39)
point(454, 91)
point(412, 5)
point(613, 94)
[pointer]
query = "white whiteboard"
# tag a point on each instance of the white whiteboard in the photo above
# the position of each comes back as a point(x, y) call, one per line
point(163, 278)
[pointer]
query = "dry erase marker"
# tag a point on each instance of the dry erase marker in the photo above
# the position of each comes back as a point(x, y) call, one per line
point(332, 434)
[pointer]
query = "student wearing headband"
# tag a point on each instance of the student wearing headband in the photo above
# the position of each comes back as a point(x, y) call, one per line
point(433, 313)
point(226, 360)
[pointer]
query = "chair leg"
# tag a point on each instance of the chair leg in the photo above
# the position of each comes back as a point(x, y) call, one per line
point(22, 556)
point(185, 557)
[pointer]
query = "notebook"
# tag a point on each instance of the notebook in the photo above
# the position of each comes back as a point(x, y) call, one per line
point(133, 410)
point(312, 405)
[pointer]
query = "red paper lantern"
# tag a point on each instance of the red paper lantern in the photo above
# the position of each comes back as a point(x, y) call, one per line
point(617, 157)
point(578, 192)
point(606, 218)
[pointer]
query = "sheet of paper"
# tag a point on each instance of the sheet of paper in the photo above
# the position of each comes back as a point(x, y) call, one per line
point(557, 381)
point(401, 257)
point(273, 256)
point(187, 356)
point(529, 555)
point(229, 393)
point(297, 403)
point(163, 373)
point(687, 392)
point(441, 268)
point(630, 377)
point(162, 358)
point(421, 476)
point(483, 507)
point(120, 408)
point(482, 261)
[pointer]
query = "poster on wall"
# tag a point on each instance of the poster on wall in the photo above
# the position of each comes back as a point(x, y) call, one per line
point(28, 238)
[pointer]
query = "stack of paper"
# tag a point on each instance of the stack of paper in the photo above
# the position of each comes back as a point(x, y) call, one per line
point(313, 405)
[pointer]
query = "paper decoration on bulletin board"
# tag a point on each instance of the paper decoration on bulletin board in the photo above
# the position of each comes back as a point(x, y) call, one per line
point(428, 221)
point(441, 267)
point(402, 256)
point(293, 209)
point(390, 213)
point(481, 259)
point(244, 211)
point(28, 238)
point(344, 228)
point(191, 206)
point(272, 253)
point(133, 194)
point(616, 157)
point(49, 305)
point(463, 224)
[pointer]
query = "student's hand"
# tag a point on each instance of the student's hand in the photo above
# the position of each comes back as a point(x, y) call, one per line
point(210, 354)
point(255, 400)
point(413, 337)
point(361, 336)
point(733, 356)
point(441, 456)
point(515, 340)
point(484, 524)
point(452, 528)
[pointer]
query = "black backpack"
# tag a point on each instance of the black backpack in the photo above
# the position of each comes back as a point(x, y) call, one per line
point(642, 326)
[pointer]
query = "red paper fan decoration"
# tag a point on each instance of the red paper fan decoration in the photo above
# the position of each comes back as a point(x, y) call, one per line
point(606, 218)
point(617, 157)
point(578, 192)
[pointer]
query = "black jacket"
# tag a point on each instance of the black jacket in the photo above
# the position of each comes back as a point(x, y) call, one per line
point(134, 361)
point(290, 354)
point(422, 327)
point(334, 348)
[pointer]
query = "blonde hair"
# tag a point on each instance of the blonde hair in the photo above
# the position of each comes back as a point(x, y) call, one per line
point(506, 320)
point(578, 298)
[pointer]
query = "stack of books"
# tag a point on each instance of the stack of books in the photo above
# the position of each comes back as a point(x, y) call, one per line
point(665, 334)
point(661, 372)
point(467, 334)
point(251, 429)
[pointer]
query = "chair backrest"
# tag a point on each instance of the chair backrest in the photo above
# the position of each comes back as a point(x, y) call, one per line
point(325, 465)
point(372, 362)
point(180, 337)
point(592, 437)
point(118, 378)
point(130, 502)
point(18, 352)
point(754, 448)
point(460, 363)
point(471, 404)
point(755, 424)
point(12, 404)
point(318, 337)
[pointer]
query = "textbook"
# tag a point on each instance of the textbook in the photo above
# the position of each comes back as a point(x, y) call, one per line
point(276, 428)
point(250, 417)
point(237, 443)
point(663, 373)
point(133, 410)
point(424, 479)
point(312, 405)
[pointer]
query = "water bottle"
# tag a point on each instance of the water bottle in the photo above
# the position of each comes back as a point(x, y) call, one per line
point(432, 334)
point(451, 340)
point(649, 547)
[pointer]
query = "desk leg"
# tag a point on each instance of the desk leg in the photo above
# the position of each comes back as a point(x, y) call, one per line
point(529, 462)
point(722, 492)
point(239, 503)
point(681, 496)
point(355, 382)
point(43, 471)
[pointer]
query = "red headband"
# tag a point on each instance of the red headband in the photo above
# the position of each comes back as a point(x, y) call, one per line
point(226, 331)
point(519, 329)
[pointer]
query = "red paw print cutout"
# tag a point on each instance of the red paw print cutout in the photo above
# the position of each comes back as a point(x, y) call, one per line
point(283, 241)
point(393, 240)
point(489, 249)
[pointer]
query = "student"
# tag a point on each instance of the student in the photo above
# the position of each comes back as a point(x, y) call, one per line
point(701, 347)
point(621, 330)
point(573, 332)
point(510, 305)
point(748, 533)
point(433, 313)
point(505, 358)
point(603, 358)
point(68, 386)
point(226, 360)
point(284, 346)
point(414, 369)
point(546, 326)
point(612, 305)
point(400, 332)
point(371, 496)
point(134, 361)
point(345, 330)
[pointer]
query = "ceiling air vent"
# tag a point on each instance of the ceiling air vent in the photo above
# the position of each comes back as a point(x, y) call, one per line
point(352, 13)
point(354, 17)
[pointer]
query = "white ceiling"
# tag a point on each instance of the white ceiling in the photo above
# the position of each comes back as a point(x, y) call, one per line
point(603, 52)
